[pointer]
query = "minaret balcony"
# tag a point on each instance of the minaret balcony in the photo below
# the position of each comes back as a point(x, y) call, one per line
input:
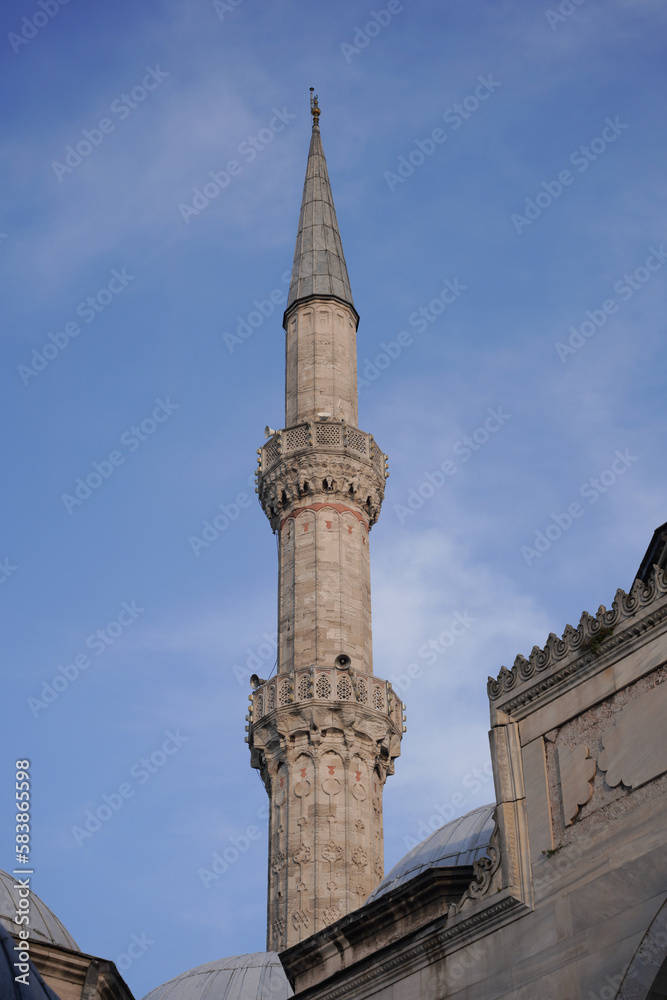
point(323, 435)
point(320, 686)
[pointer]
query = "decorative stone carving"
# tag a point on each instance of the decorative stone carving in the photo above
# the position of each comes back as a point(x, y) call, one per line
point(278, 862)
point(370, 722)
point(300, 918)
point(278, 928)
point(302, 854)
point(577, 771)
point(592, 637)
point(360, 857)
point(332, 853)
point(325, 435)
point(307, 478)
point(484, 870)
point(635, 747)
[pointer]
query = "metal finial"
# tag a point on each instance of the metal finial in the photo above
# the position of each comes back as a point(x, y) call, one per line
point(314, 108)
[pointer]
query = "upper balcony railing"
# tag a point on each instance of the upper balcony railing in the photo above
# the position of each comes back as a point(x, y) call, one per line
point(326, 435)
point(320, 684)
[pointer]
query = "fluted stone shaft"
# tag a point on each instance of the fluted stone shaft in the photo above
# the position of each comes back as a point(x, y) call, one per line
point(321, 362)
point(324, 587)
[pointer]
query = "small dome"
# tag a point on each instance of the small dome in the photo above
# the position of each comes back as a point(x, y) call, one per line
point(44, 924)
point(258, 976)
point(461, 842)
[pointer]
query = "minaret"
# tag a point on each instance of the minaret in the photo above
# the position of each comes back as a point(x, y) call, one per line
point(324, 732)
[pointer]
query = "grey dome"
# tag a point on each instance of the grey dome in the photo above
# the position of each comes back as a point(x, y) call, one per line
point(44, 924)
point(258, 976)
point(460, 842)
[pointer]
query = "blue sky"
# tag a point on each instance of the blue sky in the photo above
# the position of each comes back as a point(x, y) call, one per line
point(561, 119)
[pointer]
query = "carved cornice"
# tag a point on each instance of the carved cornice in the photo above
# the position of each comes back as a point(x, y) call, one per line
point(560, 658)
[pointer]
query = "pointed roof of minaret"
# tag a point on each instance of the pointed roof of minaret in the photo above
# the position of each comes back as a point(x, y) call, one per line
point(319, 262)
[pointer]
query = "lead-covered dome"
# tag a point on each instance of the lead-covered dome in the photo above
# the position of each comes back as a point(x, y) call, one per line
point(44, 924)
point(258, 976)
point(460, 842)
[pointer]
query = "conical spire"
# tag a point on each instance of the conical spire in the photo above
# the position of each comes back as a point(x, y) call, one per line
point(319, 263)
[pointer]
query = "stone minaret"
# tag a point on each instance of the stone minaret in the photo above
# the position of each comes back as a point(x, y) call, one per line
point(325, 730)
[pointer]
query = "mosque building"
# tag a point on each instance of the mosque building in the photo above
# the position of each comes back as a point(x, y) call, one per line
point(556, 890)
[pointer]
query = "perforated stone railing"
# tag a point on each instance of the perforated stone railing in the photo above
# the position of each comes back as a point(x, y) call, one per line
point(322, 434)
point(317, 684)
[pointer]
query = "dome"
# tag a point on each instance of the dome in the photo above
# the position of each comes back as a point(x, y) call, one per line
point(460, 842)
point(258, 976)
point(44, 924)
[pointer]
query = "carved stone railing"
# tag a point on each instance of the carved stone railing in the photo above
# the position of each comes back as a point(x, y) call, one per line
point(320, 684)
point(325, 435)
